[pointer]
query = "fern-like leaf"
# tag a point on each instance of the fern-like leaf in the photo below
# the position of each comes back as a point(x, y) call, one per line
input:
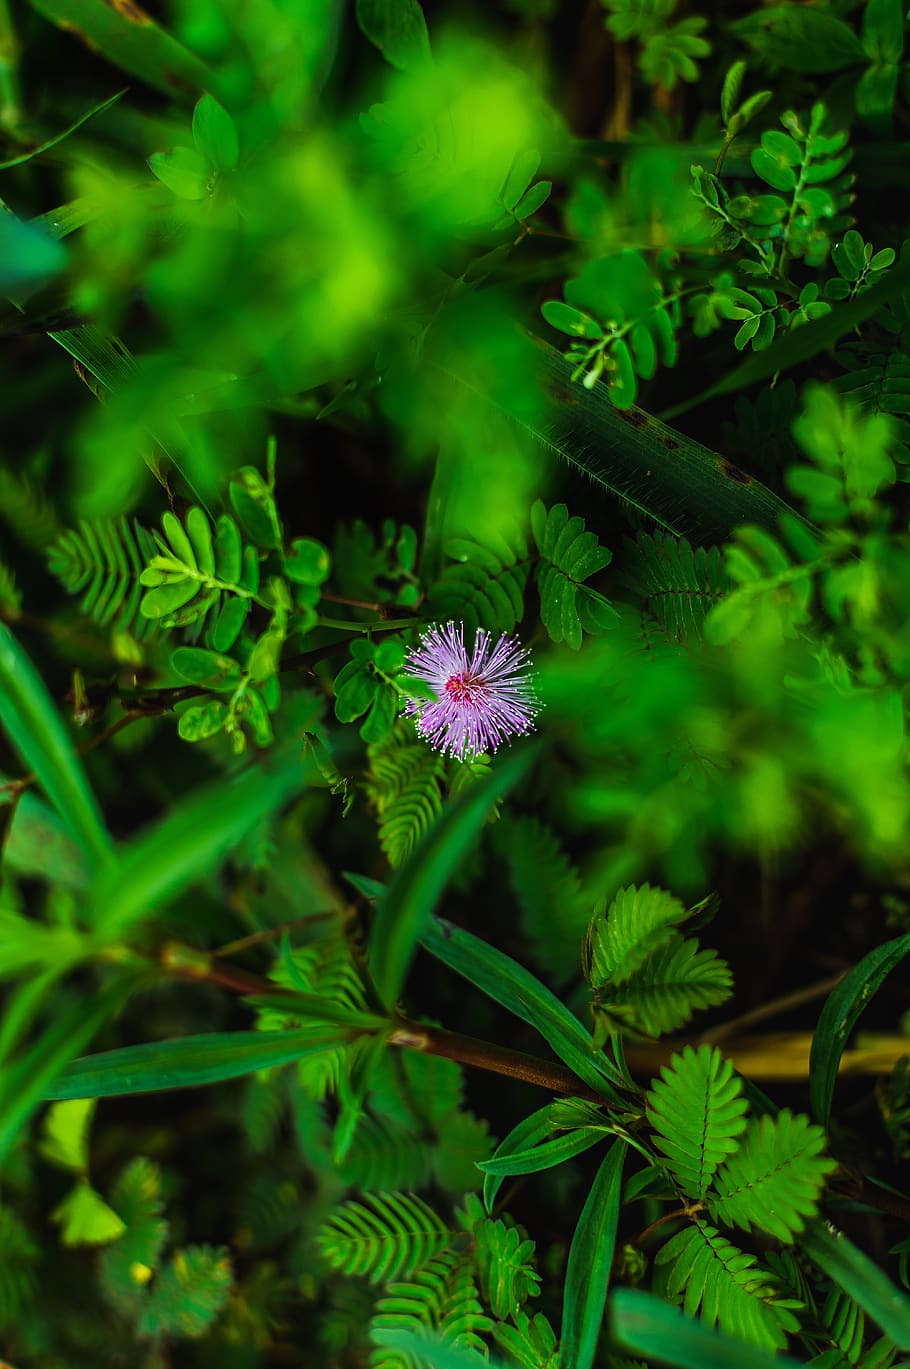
point(396, 1235)
point(674, 982)
point(189, 1294)
point(483, 587)
point(529, 1341)
point(403, 783)
point(678, 583)
point(698, 1112)
point(385, 1158)
point(775, 1178)
point(726, 1284)
point(103, 560)
point(441, 1298)
point(127, 1265)
point(27, 511)
point(505, 1266)
point(548, 890)
point(569, 556)
point(618, 941)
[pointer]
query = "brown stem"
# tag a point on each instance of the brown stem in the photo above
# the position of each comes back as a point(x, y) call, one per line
point(17, 786)
point(667, 1217)
point(469, 1050)
point(797, 999)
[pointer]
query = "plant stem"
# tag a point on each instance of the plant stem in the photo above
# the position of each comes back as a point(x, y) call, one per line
point(10, 107)
point(469, 1050)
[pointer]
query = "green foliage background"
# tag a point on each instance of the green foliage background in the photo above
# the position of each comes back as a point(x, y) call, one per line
point(323, 323)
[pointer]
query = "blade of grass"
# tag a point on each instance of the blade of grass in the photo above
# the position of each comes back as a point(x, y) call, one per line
point(59, 137)
point(645, 1325)
point(681, 485)
point(590, 1261)
point(862, 1279)
point(130, 38)
point(838, 1017)
point(407, 903)
point(189, 1061)
point(36, 730)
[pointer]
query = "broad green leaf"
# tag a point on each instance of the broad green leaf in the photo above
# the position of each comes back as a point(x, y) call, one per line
point(190, 1061)
point(519, 992)
point(404, 910)
point(36, 731)
point(308, 561)
point(862, 1279)
point(183, 170)
point(648, 1326)
point(207, 668)
point(195, 836)
point(590, 1261)
point(839, 1016)
point(544, 1156)
point(85, 1218)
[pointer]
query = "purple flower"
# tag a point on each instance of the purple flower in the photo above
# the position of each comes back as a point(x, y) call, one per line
point(482, 698)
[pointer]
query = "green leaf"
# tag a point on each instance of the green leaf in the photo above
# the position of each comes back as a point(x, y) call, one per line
point(183, 170)
point(543, 1156)
point(529, 1131)
point(65, 1135)
point(207, 668)
point(195, 836)
point(85, 1218)
point(29, 256)
point(840, 1014)
point(618, 941)
point(308, 562)
point(698, 1113)
point(861, 1278)
point(397, 28)
point(590, 1262)
point(189, 1293)
point(775, 1177)
point(201, 721)
point(799, 38)
point(215, 134)
point(254, 506)
point(569, 320)
point(883, 30)
point(35, 730)
point(405, 907)
point(129, 38)
point(190, 1061)
point(510, 985)
point(648, 1326)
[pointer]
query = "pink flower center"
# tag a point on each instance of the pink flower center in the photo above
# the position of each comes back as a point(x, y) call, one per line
point(464, 688)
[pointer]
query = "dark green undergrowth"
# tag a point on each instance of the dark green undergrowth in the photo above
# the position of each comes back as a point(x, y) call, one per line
point(338, 339)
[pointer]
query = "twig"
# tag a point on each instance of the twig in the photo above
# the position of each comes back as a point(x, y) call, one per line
point(797, 999)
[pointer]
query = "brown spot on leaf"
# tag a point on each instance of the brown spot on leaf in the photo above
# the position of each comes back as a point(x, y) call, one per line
point(669, 441)
point(735, 474)
point(128, 9)
point(634, 417)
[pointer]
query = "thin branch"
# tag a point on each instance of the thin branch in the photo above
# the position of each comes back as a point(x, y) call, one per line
point(797, 999)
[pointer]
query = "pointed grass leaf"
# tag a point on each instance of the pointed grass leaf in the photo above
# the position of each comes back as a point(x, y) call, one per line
point(189, 1061)
point(195, 836)
point(518, 991)
point(590, 1261)
point(544, 1156)
point(840, 1014)
point(528, 1132)
point(648, 1326)
point(861, 1279)
point(36, 730)
point(407, 904)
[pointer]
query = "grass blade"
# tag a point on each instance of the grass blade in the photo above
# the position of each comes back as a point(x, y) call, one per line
point(187, 844)
point(858, 1276)
point(838, 1017)
point(590, 1260)
point(644, 1325)
point(37, 732)
point(189, 1061)
point(405, 906)
point(508, 983)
